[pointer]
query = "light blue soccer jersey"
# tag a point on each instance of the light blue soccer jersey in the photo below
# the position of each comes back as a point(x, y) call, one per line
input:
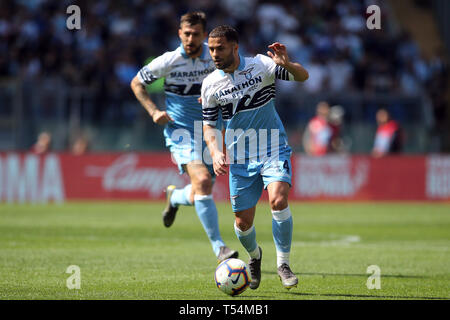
point(246, 101)
point(183, 79)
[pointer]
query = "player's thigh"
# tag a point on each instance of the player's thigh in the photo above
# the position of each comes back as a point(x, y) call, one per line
point(245, 190)
point(200, 176)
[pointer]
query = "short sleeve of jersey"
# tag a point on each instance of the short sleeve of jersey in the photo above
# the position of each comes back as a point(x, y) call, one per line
point(210, 109)
point(154, 70)
point(275, 70)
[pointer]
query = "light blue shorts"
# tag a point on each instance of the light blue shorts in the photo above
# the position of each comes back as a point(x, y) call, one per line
point(184, 147)
point(248, 180)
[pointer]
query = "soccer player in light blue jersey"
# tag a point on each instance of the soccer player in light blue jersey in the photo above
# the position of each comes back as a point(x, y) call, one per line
point(242, 90)
point(184, 70)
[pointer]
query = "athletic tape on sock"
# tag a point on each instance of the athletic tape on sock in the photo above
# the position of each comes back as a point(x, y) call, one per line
point(243, 233)
point(282, 215)
point(201, 197)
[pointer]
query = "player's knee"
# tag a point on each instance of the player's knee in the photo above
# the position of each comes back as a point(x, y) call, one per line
point(243, 224)
point(204, 184)
point(278, 203)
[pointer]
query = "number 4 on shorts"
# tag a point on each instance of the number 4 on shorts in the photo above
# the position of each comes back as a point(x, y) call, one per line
point(286, 166)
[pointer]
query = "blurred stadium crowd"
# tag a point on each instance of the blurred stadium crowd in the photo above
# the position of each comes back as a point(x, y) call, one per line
point(329, 37)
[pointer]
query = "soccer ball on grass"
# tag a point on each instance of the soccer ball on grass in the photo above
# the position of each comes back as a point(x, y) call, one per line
point(232, 276)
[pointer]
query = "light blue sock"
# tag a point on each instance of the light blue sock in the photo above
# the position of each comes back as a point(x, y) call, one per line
point(207, 213)
point(181, 196)
point(248, 240)
point(282, 226)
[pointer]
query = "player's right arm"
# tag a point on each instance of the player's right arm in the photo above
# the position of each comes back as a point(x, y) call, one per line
point(211, 134)
point(145, 76)
point(158, 116)
point(218, 156)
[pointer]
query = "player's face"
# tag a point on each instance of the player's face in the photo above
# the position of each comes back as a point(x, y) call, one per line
point(222, 52)
point(382, 117)
point(192, 37)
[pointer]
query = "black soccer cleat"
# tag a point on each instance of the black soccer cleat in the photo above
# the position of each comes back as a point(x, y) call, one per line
point(287, 277)
point(255, 270)
point(170, 211)
point(226, 253)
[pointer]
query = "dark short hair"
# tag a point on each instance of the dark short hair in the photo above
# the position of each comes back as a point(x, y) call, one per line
point(225, 31)
point(193, 18)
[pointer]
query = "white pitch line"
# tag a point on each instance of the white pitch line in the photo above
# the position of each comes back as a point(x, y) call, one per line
point(342, 240)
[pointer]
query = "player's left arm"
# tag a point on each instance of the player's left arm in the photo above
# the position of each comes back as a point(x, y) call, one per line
point(281, 58)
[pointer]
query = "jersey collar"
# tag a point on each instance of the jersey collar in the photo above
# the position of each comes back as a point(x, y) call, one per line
point(183, 52)
point(241, 63)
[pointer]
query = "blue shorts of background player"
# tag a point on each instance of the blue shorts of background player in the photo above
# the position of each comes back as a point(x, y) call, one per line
point(248, 180)
point(184, 147)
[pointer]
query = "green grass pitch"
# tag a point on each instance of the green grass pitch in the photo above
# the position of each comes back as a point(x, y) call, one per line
point(124, 251)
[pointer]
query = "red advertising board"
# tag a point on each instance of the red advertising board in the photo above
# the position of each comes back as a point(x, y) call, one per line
point(360, 178)
point(26, 177)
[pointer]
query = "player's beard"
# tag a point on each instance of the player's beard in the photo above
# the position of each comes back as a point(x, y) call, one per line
point(192, 50)
point(226, 63)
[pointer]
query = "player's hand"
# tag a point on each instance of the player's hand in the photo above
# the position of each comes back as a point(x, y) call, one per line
point(219, 163)
point(279, 55)
point(199, 100)
point(161, 117)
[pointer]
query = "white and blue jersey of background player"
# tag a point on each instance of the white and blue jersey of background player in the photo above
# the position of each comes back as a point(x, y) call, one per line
point(246, 101)
point(183, 79)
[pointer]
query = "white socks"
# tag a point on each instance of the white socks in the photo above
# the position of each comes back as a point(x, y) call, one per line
point(282, 226)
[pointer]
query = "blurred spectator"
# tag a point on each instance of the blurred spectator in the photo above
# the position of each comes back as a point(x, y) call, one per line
point(335, 122)
point(80, 146)
point(318, 133)
point(389, 136)
point(43, 143)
